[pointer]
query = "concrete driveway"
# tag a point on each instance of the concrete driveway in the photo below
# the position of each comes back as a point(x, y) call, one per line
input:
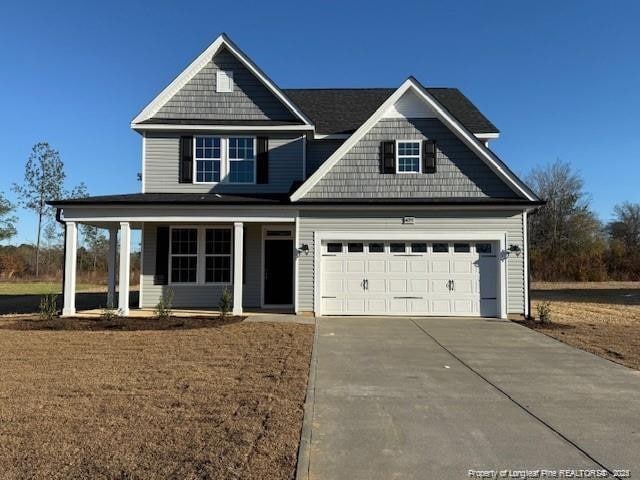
point(402, 398)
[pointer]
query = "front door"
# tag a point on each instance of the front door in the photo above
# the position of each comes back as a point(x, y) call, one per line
point(278, 272)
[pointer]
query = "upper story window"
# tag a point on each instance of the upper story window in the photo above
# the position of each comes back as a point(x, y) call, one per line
point(207, 159)
point(224, 159)
point(224, 81)
point(408, 156)
point(242, 159)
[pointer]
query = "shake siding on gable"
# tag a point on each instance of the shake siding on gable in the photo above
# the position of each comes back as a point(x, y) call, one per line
point(250, 99)
point(460, 173)
point(162, 162)
point(454, 221)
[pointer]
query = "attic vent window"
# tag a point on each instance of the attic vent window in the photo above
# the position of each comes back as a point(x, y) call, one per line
point(224, 81)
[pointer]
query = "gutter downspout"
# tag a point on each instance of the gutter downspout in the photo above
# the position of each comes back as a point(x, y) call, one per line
point(64, 251)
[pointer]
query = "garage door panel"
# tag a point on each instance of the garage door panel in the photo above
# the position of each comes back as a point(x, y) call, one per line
point(397, 266)
point(377, 305)
point(355, 266)
point(432, 283)
point(376, 266)
point(353, 285)
point(417, 286)
point(462, 266)
point(398, 306)
point(334, 287)
point(377, 285)
point(417, 265)
point(440, 266)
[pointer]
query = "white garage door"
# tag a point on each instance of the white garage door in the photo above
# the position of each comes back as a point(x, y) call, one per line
point(409, 278)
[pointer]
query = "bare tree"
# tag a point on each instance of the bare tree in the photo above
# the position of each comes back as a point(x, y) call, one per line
point(43, 179)
point(565, 235)
point(7, 221)
point(625, 226)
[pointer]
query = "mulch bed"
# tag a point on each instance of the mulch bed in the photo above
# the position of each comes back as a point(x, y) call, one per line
point(208, 399)
point(117, 323)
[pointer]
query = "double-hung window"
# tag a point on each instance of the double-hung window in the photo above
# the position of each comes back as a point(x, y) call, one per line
point(208, 159)
point(242, 159)
point(184, 255)
point(409, 156)
point(225, 159)
point(218, 255)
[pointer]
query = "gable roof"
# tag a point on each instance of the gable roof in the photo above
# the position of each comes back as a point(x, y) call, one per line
point(463, 133)
point(222, 42)
point(343, 110)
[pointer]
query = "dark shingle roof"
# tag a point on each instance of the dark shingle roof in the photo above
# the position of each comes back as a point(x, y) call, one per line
point(267, 199)
point(343, 110)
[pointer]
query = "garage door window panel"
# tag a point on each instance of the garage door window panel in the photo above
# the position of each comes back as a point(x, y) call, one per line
point(355, 247)
point(334, 247)
point(418, 248)
point(397, 248)
point(440, 248)
point(461, 247)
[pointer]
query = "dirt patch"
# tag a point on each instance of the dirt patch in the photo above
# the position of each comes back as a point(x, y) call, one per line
point(601, 318)
point(219, 402)
point(117, 323)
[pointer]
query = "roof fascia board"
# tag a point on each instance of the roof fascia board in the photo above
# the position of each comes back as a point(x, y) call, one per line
point(188, 73)
point(461, 132)
point(167, 126)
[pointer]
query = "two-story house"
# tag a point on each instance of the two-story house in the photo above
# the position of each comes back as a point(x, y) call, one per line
point(331, 201)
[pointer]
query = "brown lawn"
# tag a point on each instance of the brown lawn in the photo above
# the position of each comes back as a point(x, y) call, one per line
point(599, 317)
point(185, 399)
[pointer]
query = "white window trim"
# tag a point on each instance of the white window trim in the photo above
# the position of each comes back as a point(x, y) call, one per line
point(195, 160)
point(398, 156)
point(207, 255)
point(171, 254)
point(225, 162)
point(228, 159)
point(201, 255)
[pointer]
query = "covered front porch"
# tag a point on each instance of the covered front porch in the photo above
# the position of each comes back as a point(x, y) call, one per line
point(190, 257)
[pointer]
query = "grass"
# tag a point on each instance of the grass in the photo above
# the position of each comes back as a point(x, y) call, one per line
point(599, 317)
point(192, 398)
point(42, 288)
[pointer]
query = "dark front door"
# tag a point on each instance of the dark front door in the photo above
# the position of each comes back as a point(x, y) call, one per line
point(278, 272)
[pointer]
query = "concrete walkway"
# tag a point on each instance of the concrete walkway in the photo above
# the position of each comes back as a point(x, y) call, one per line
point(402, 398)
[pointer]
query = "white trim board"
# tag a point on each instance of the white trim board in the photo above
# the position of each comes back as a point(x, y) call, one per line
point(456, 127)
point(426, 235)
point(143, 127)
point(188, 73)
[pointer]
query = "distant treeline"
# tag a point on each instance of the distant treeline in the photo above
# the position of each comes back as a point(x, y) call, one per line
point(569, 242)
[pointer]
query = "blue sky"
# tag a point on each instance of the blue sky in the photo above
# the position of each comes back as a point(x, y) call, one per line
point(559, 79)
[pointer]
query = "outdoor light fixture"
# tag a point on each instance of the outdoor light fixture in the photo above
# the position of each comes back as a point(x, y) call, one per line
point(515, 249)
point(304, 248)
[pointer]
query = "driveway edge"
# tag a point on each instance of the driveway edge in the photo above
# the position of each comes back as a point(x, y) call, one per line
point(304, 450)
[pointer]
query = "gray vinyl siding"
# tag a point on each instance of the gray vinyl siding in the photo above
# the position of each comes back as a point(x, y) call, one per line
point(460, 173)
point(201, 296)
point(249, 100)
point(456, 222)
point(161, 163)
point(318, 151)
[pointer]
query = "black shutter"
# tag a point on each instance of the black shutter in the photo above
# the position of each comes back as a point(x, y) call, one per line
point(161, 276)
point(429, 156)
point(388, 157)
point(262, 157)
point(186, 160)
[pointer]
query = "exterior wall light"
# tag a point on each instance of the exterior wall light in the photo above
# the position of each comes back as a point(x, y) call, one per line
point(304, 248)
point(515, 249)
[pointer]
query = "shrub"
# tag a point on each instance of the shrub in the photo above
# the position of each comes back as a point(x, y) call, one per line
point(226, 303)
point(48, 307)
point(108, 313)
point(544, 312)
point(164, 306)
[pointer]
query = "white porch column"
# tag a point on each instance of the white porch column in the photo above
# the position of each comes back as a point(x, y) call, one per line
point(238, 233)
point(111, 266)
point(70, 256)
point(125, 260)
